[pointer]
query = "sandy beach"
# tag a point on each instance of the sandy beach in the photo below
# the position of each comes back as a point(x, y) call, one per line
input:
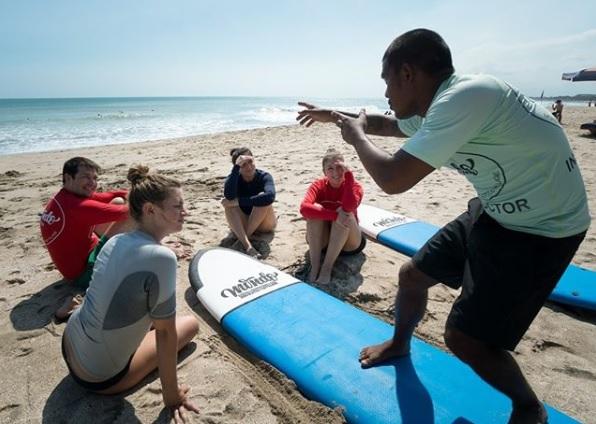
point(229, 384)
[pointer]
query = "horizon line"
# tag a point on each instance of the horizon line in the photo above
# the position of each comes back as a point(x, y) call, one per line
point(245, 96)
point(189, 97)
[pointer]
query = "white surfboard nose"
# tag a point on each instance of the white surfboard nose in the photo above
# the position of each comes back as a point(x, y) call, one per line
point(225, 279)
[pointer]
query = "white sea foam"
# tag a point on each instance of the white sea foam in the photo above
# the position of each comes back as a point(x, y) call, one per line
point(30, 125)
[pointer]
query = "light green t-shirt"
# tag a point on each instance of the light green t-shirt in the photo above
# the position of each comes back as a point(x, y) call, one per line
point(511, 149)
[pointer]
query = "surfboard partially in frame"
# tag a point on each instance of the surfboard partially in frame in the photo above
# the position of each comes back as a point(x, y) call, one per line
point(577, 286)
point(315, 339)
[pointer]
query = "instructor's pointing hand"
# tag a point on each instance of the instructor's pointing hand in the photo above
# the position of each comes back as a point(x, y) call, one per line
point(313, 114)
point(353, 130)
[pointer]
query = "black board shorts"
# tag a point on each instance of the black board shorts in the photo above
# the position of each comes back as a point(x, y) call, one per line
point(505, 276)
point(100, 385)
point(357, 250)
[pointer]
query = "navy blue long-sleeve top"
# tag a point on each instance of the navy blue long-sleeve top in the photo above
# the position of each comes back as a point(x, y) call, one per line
point(258, 192)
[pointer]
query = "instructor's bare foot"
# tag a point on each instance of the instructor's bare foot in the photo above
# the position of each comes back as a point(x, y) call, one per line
point(372, 355)
point(535, 414)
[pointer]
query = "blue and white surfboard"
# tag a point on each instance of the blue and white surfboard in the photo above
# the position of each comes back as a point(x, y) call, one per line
point(577, 286)
point(315, 340)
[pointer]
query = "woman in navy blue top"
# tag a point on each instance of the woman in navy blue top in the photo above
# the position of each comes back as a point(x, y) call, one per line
point(248, 199)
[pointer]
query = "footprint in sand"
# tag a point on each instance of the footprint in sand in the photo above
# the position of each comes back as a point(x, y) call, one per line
point(23, 351)
point(366, 297)
point(13, 174)
point(576, 372)
point(542, 345)
point(5, 232)
point(9, 409)
point(30, 335)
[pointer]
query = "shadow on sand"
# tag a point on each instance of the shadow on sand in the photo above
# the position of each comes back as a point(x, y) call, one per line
point(38, 310)
point(260, 241)
point(70, 403)
point(345, 277)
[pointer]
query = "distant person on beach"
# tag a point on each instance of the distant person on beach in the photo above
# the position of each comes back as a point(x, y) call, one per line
point(77, 222)
point(557, 108)
point(329, 208)
point(248, 199)
point(127, 325)
point(508, 251)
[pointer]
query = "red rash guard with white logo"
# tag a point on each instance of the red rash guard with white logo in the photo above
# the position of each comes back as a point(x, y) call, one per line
point(321, 200)
point(67, 226)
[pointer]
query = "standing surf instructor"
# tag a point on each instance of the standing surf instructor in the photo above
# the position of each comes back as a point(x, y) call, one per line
point(509, 249)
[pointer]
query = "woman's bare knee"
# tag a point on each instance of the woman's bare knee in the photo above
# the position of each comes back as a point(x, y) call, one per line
point(187, 328)
point(269, 221)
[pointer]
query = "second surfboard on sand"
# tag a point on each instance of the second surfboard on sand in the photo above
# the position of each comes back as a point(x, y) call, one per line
point(577, 286)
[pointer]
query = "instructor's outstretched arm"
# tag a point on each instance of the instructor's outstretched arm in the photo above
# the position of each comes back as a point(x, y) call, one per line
point(392, 173)
point(384, 125)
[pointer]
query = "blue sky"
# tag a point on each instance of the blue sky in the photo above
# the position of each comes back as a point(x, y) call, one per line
point(319, 48)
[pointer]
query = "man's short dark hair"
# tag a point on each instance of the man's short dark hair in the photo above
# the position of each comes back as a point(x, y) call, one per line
point(71, 166)
point(422, 48)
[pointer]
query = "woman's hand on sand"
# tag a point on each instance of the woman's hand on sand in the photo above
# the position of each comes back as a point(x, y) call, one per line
point(182, 405)
point(353, 130)
point(313, 114)
point(226, 203)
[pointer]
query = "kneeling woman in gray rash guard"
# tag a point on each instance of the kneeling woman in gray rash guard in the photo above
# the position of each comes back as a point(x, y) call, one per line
point(108, 343)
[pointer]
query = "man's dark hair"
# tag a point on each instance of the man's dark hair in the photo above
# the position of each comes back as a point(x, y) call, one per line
point(422, 48)
point(71, 166)
point(238, 151)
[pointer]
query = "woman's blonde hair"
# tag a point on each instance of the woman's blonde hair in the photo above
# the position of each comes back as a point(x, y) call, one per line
point(147, 187)
point(330, 155)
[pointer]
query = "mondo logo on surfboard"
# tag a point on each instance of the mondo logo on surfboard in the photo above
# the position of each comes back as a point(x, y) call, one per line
point(225, 279)
point(251, 285)
point(373, 220)
point(391, 221)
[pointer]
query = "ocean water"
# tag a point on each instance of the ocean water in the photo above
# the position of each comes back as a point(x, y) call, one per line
point(37, 125)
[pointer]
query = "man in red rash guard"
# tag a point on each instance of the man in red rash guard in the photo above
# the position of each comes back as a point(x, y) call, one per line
point(329, 207)
point(75, 219)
